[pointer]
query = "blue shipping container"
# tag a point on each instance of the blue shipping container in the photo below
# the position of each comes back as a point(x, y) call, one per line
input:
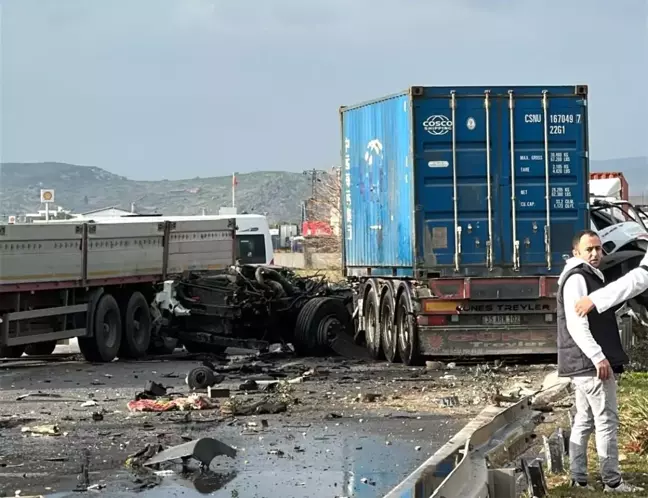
point(515, 159)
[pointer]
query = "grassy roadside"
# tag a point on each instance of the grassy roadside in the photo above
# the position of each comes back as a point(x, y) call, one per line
point(633, 443)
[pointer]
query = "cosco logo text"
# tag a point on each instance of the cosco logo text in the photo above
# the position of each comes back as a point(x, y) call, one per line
point(437, 125)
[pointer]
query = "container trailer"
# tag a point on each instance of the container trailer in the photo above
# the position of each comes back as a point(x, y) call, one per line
point(458, 206)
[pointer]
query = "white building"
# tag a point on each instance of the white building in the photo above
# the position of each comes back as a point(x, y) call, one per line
point(108, 212)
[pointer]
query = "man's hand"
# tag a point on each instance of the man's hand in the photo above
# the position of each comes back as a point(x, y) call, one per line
point(584, 306)
point(603, 370)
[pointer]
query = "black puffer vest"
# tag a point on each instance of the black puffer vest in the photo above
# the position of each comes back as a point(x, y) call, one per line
point(603, 326)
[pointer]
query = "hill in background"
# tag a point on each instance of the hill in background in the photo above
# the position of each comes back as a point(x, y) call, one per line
point(84, 188)
point(277, 193)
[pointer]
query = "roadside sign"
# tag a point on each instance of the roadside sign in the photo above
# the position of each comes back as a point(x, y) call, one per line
point(47, 195)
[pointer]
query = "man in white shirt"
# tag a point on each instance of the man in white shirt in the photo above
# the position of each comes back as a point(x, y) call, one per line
point(630, 285)
point(590, 353)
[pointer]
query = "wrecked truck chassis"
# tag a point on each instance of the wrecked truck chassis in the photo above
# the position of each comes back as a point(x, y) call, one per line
point(251, 307)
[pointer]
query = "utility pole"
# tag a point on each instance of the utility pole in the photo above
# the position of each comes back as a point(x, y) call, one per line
point(313, 174)
point(234, 184)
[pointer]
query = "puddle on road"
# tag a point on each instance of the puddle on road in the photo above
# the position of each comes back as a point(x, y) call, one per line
point(363, 467)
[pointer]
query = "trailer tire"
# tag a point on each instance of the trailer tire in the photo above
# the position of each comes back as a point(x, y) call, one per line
point(372, 324)
point(41, 348)
point(318, 322)
point(12, 351)
point(407, 333)
point(136, 320)
point(103, 345)
point(388, 331)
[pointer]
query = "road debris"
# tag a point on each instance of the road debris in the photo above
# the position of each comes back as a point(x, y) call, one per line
point(43, 430)
point(202, 377)
point(191, 402)
point(38, 394)
point(236, 408)
point(449, 401)
point(249, 385)
point(367, 397)
point(204, 450)
point(217, 393)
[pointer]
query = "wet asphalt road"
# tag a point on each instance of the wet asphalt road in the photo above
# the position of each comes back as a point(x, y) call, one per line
point(364, 451)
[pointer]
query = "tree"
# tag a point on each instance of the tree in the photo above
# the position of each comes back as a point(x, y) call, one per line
point(324, 205)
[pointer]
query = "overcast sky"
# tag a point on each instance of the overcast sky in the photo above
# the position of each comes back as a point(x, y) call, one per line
point(156, 89)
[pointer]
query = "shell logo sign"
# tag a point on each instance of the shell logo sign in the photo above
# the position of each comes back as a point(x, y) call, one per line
point(47, 195)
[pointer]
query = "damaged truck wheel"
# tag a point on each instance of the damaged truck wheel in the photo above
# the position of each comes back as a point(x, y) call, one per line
point(319, 322)
point(105, 340)
point(136, 319)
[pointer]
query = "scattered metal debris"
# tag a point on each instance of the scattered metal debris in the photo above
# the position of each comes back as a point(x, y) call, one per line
point(38, 394)
point(204, 450)
point(43, 430)
point(449, 401)
point(233, 408)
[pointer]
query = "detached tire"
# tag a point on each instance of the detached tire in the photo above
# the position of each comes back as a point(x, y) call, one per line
point(136, 319)
point(41, 348)
point(103, 346)
point(201, 378)
point(12, 351)
point(318, 322)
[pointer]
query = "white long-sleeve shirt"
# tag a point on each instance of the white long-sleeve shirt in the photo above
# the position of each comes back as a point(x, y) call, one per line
point(630, 285)
point(574, 289)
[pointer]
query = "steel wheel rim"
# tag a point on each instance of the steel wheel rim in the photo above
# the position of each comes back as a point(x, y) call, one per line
point(109, 328)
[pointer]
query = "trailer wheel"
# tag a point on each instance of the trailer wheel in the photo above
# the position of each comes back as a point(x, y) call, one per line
point(136, 319)
point(12, 351)
point(388, 334)
point(104, 344)
point(372, 325)
point(41, 348)
point(407, 333)
point(318, 323)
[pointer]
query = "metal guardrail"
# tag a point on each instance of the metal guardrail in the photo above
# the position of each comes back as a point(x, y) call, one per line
point(469, 465)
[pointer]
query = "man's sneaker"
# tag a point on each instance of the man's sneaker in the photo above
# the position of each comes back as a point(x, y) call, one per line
point(624, 487)
point(575, 484)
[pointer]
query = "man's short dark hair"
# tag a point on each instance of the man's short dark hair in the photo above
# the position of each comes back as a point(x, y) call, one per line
point(579, 235)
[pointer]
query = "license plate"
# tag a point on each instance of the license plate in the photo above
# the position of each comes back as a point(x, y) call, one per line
point(501, 320)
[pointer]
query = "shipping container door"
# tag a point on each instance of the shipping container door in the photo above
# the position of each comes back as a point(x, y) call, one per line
point(548, 170)
point(376, 185)
point(459, 218)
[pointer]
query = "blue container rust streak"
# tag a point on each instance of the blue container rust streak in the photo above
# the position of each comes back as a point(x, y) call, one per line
point(532, 140)
point(377, 177)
